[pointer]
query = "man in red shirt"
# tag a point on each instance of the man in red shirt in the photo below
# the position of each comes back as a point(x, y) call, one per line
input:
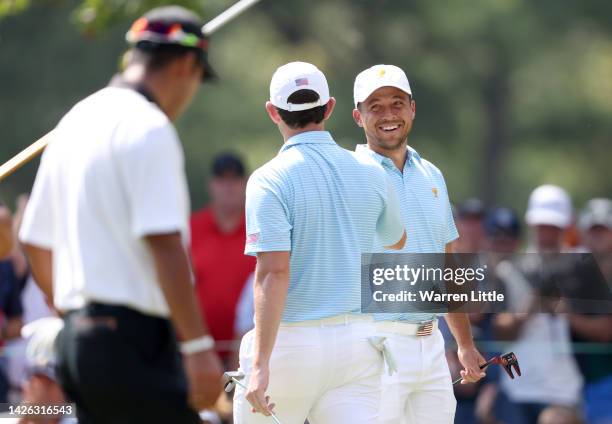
point(217, 248)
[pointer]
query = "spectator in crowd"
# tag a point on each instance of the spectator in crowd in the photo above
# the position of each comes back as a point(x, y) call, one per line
point(470, 219)
point(6, 231)
point(596, 227)
point(41, 387)
point(560, 415)
point(217, 248)
point(503, 231)
point(540, 340)
point(502, 238)
point(35, 305)
point(10, 318)
point(245, 310)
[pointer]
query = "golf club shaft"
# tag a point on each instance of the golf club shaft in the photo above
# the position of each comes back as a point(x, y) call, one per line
point(245, 388)
point(226, 16)
point(34, 149)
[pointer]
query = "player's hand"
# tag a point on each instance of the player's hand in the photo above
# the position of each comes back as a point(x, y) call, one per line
point(204, 374)
point(256, 393)
point(470, 359)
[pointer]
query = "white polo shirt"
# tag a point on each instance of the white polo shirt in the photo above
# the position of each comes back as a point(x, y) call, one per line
point(113, 174)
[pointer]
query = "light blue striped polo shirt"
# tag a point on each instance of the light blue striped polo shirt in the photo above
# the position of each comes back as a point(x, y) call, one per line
point(425, 207)
point(326, 205)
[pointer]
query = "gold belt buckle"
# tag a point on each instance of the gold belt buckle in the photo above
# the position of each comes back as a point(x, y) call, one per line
point(425, 329)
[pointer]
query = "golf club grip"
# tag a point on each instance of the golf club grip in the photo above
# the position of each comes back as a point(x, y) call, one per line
point(482, 367)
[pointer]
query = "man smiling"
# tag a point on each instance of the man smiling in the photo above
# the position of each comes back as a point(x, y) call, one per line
point(421, 390)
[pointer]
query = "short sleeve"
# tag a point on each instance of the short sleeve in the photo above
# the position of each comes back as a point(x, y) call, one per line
point(37, 224)
point(267, 219)
point(389, 227)
point(154, 175)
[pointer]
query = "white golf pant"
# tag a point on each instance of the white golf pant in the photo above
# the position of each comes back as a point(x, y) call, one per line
point(421, 391)
point(325, 371)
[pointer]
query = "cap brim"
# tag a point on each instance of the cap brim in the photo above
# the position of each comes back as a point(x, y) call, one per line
point(373, 89)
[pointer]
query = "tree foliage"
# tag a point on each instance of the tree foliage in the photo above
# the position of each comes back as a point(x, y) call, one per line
point(510, 93)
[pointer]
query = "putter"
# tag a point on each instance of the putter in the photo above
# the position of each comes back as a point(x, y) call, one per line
point(234, 379)
point(507, 361)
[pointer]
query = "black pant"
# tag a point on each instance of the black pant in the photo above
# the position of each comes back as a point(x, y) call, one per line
point(121, 366)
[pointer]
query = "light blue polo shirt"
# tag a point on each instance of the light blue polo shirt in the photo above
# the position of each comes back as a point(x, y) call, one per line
point(425, 207)
point(326, 205)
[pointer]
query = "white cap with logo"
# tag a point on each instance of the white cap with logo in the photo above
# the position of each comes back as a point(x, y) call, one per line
point(297, 76)
point(378, 76)
point(549, 205)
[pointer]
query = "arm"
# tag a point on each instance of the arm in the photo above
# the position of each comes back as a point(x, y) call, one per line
point(270, 291)
point(390, 225)
point(173, 273)
point(41, 263)
point(6, 232)
point(508, 325)
point(174, 278)
point(594, 328)
point(470, 358)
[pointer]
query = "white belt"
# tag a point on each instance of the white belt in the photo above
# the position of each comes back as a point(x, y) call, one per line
point(408, 328)
point(330, 321)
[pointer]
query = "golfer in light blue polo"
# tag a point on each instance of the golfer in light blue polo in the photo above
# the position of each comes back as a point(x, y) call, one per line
point(420, 391)
point(310, 213)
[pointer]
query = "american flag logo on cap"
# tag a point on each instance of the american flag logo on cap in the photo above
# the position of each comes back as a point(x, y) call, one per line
point(301, 81)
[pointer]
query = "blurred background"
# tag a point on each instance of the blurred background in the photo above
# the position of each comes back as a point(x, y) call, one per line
point(510, 93)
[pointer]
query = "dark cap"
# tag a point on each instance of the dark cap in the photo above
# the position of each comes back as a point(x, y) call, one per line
point(228, 163)
point(597, 212)
point(171, 25)
point(471, 208)
point(502, 221)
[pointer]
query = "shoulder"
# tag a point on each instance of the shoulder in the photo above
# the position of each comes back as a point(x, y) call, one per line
point(126, 111)
point(280, 168)
point(426, 165)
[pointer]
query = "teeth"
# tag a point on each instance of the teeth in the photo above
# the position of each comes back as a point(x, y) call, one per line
point(390, 128)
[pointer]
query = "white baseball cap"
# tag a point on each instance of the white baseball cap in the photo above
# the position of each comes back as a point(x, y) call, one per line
point(297, 76)
point(378, 76)
point(549, 205)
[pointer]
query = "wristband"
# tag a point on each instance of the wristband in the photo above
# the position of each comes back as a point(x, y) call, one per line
point(197, 345)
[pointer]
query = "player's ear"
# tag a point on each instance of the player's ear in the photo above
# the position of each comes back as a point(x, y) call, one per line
point(273, 113)
point(413, 107)
point(357, 117)
point(329, 108)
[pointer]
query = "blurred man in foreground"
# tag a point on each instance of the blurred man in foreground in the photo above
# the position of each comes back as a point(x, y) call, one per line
point(105, 231)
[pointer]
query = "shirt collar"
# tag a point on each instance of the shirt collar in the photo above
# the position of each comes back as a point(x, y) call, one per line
point(412, 154)
point(120, 82)
point(308, 137)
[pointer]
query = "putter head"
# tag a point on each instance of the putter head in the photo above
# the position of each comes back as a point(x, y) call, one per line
point(230, 376)
point(509, 361)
